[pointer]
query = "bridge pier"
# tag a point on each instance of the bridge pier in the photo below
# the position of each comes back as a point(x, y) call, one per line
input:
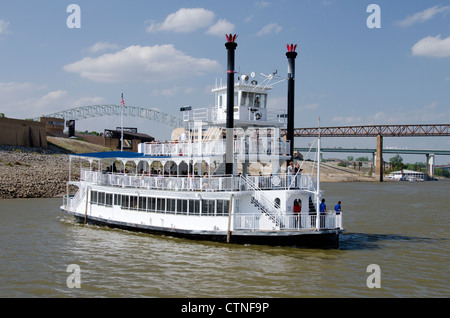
point(430, 165)
point(379, 164)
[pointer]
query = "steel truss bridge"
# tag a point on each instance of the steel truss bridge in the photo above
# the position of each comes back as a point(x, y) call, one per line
point(375, 130)
point(381, 131)
point(116, 110)
point(385, 150)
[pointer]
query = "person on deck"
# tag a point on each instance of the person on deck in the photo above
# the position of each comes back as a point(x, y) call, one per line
point(338, 208)
point(323, 207)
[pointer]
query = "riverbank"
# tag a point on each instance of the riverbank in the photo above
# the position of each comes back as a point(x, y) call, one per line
point(28, 174)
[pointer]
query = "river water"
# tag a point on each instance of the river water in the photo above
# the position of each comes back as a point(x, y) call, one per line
point(402, 227)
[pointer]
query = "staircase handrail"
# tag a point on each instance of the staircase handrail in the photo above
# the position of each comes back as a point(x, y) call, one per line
point(268, 204)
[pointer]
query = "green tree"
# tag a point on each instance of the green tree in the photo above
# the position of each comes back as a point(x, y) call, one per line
point(442, 172)
point(396, 160)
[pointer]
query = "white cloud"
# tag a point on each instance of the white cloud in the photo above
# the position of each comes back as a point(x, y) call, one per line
point(27, 100)
point(347, 120)
point(271, 28)
point(11, 90)
point(184, 20)
point(102, 46)
point(221, 27)
point(141, 63)
point(172, 91)
point(4, 26)
point(432, 47)
point(249, 18)
point(423, 16)
point(262, 4)
point(312, 106)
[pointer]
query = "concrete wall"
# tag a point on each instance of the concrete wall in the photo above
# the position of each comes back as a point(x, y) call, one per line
point(22, 133)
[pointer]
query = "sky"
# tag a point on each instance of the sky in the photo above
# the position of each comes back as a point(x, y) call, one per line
point(356, 64)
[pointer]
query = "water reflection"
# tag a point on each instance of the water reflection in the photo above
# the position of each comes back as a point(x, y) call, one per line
point(361, 241)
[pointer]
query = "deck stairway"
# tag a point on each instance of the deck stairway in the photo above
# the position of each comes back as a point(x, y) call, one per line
point(265, 205)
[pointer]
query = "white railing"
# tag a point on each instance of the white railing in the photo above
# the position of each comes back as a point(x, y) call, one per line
point(185, 183)
point(252, 146)
point(284, 181)
point(253, 222)
point(72, 201)
point(197, 183)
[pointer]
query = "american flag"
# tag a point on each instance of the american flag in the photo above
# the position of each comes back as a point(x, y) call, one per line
point(123, 102)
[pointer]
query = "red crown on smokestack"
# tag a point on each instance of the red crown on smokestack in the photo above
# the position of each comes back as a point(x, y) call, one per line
point(231, 38)
point(291, 48)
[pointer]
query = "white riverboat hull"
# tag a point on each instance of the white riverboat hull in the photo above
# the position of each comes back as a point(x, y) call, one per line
point(294, 238)
point(248, 225)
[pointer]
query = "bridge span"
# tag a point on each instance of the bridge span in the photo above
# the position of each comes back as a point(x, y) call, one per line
point(116, 110)
point(429, 154)
point(380, 131)
point(375, 130)
point(385, 150)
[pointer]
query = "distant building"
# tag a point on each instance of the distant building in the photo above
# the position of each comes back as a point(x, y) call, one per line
point(53, 126)
point(131, 139)
point(22, 133)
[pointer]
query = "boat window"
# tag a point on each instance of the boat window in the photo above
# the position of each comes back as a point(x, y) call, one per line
point(247, 99)
point(133, 203)
point(171, 205)
point(277, 202)
point(117, 199)
point(125, 202)
point(219, 210)
point(108, 199)
point(101, 198)
point(194, 207)
point(151, 204)
point(222, 207)
point(262, 100)
point(182, 206)
point(94, 197)
point(208, 207)
point(226, 207)
point(142, 203)
point(243, 98)
point(161, 204)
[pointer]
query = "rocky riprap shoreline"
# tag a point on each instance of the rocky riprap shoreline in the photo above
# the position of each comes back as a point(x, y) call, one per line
point(33, 173)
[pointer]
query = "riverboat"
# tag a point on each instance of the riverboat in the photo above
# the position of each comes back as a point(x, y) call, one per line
point(407, 175)
point(216, 181)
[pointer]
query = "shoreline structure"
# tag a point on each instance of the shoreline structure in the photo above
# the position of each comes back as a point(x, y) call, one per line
point(37, 173)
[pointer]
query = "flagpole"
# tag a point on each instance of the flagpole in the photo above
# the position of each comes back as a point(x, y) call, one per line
point(121, 124)
point(318, 181)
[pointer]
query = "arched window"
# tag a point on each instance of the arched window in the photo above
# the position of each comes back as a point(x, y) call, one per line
point(277, 202)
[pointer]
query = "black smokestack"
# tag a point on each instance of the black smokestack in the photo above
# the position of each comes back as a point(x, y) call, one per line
point(229, 158)
point(291, 55)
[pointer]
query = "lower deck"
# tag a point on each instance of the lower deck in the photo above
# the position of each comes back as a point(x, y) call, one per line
point(246, 216)
point(294, 238)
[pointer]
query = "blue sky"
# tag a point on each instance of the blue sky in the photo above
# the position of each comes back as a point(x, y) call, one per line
point(164, 55)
